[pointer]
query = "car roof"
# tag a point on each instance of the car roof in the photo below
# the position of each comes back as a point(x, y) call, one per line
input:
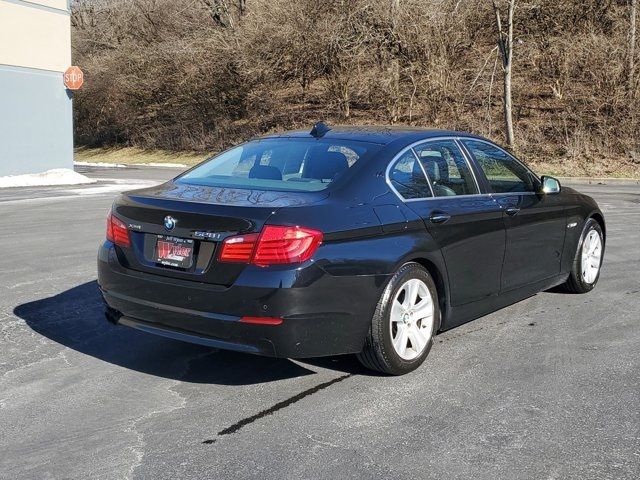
point(380, 134)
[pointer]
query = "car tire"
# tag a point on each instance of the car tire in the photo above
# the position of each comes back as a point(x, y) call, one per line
point(585, 269)
point(401, 321)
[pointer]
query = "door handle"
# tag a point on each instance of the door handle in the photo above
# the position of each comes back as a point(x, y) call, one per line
point(511, 211)
point(439, 217)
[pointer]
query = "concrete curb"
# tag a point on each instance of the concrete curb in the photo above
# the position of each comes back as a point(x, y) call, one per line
point(598, 181)
point(131, 165)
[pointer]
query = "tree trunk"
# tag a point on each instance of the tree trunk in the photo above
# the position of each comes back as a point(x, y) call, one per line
point(507, 80)
point(505, 44)
point(508, 108)
point(395, 66)
point(346, 102)
point(632, 46)
point(394, 91)
point(345, 96)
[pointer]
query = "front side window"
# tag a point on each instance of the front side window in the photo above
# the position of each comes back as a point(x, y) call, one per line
point(504, 173)
point(407, 177)
point(446, 168)
point(287, 164)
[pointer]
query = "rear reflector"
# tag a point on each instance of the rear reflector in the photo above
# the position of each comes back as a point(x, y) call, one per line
point(261, 320)
point(274, 245)
point(117, 231)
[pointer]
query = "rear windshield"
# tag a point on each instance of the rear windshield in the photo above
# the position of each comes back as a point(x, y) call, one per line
point(280, 164)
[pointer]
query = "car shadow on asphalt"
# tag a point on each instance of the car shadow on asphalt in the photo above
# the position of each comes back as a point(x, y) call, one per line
point(75, 319)
point(558, 290)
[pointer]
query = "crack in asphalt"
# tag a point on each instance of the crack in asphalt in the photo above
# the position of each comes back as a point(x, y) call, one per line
point(278, 406)
point(138, 449)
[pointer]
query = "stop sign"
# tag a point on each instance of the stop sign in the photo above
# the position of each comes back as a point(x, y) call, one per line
point(73, 78)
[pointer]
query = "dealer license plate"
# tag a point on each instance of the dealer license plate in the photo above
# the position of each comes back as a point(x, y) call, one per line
point(174, 251)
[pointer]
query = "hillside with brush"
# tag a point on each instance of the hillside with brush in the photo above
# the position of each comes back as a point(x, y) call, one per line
point(202, 75)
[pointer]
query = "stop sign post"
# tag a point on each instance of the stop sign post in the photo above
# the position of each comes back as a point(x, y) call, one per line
point(73, 78)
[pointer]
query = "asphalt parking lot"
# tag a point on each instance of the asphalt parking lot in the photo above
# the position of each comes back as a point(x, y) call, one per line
point(547, 388)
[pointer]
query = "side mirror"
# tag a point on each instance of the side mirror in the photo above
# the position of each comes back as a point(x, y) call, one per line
point(550, 185)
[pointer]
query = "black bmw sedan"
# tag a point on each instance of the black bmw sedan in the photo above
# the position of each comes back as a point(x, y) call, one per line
point(344, 240)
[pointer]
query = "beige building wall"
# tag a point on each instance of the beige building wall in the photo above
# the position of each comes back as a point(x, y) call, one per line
point(35, 34)
point(36, 115)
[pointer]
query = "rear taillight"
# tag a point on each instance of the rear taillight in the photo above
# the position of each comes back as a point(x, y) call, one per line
point(239, 248)
point(274, 245)
point(117, 231)
point(109, 227)
point(286, 245)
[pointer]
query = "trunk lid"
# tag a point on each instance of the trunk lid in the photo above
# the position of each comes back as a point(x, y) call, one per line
point(205, 216)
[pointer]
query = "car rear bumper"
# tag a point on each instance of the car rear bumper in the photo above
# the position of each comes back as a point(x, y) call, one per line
point(322, 314)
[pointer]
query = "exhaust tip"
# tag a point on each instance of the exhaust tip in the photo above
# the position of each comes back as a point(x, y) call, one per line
point(112, 315)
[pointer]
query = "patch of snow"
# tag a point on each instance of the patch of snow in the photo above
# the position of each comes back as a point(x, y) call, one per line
point(119, 186)
point(100, 164)
point(57, 176)
point(160, 164)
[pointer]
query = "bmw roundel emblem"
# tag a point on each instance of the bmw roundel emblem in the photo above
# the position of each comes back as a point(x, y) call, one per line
point(169, 222)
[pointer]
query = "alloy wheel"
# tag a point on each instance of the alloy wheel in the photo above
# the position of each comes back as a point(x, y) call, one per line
point(591, 256)
point(412, 315)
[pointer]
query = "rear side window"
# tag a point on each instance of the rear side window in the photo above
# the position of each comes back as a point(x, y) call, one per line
point(407, 177)
point(446, 168)
point(504, 173)
point(280, 164)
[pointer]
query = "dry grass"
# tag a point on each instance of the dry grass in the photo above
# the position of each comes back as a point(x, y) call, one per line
point(137, 156)
point(595, 168)
point(561, 167)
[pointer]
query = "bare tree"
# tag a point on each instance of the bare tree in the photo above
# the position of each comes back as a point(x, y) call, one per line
point(632, 44)
point(505, 45)
point(345, 52)
point(395, 65)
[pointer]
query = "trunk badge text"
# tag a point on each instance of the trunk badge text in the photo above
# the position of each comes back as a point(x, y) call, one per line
point(208, 235)
point(169, 223)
